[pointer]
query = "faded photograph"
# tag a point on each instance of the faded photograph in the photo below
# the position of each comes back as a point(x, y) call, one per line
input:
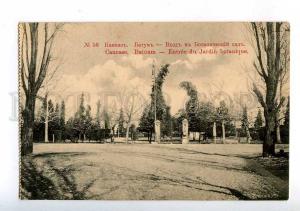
point(154, 111)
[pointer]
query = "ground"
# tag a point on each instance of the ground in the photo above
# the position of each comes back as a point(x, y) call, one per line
point(151, 172)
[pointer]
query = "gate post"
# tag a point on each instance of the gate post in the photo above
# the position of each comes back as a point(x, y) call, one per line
point(157, 131)
point(185, 131)
point(215, 133)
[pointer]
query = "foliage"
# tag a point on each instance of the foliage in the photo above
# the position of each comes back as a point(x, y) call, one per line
point(286, 124)
point(271, 64)
point(258, 123)
point(245, 122)
point(162, 110)
point(121, 123)
point(191, 106)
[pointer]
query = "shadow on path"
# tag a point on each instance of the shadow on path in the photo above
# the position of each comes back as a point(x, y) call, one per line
point(194, 184)
point(51, 182)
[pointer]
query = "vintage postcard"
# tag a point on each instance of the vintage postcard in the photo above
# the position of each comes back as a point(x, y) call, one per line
point(154, 110)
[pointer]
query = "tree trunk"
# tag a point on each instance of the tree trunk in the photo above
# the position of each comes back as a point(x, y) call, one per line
point(269, 144)
point(127, 133)
point(27, 136)
point(278, 137)
point(46, 121)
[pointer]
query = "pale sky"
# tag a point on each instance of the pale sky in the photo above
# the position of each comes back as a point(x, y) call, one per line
point(92, 71)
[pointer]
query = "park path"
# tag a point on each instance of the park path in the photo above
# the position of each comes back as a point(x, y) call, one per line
point(157, 172)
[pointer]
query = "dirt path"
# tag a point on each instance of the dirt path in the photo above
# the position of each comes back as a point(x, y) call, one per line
point(153, 172)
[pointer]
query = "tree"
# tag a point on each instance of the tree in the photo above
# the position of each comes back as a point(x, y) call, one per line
point(121, 122)
point(157, 98)
point(258, 121)
point(157, 104)
point(167, 126)
point(98, 114)
point(191, 106)
point(62, 118)
point(286, 123)
point(129, 117)
point(56, 117)
point(106, 119)
point(245, 124)
point(49, 116)
point(223, 117)
point(132, 108)
point(269, 65)
point(82, 119)
point(147, 122)
point(36, 47)
point(206, 116)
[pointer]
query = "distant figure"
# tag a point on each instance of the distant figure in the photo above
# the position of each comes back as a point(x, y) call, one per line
point(112, 139)
point(204, 137)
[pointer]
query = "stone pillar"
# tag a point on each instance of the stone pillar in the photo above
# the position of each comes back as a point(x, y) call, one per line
point(157, 131)
point(185, 131)
point(223, 132)
point(215, 133)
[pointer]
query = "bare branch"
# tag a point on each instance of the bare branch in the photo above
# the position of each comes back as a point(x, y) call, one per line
point(259, 56)
point(258, 71)
point(259, 96)
point(26, 44)
point(45, 61)
point(280, 104)
point(23, 79)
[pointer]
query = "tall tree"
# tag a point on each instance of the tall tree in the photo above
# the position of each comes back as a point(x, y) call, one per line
point(258, 123)
point(132, 108)
point(245, 124)
point(62, 115)
point(36, 48)
point(121, 122)
point(157, 103)
point(258, 120)
point(62, 118)
point(82, 119)
point(129, 115)
point(57, 115)
point(98, 114)
point(146, 122)
point(106, 118)
point(157, 98)
point(167, 126)
point(207, 116)
point(268, 41)
point(191, 106)
point(223, 117)
point(286, 123)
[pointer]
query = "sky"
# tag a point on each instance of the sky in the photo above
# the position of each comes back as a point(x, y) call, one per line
point(109, 77)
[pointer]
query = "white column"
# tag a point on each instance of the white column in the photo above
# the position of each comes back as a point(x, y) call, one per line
point(223, 132)
point(157, 131)
point(215, 133)
point(185, 131)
